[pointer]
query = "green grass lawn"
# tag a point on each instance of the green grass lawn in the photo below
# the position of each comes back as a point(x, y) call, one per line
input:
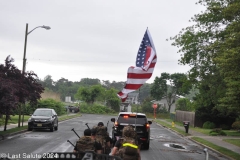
point(218, 148)
point(66, 116)
point(170, 126)
point(206, 131)
point(235, 142)
point(13, 119)
point(232, 132)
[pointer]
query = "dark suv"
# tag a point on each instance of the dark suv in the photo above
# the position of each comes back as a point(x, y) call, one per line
point(73, 109)
point(138, 120)
point(43, 118)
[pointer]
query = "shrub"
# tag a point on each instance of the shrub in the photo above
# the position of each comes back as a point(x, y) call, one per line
point(236, 125)
point(95, 109)
point(225, 127)
point(209, 125)
point(213, 133)
point(53, 104)
point(216, 132)
point(222, 133)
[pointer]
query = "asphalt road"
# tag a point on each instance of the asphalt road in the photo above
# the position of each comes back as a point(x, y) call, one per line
point(164, 145)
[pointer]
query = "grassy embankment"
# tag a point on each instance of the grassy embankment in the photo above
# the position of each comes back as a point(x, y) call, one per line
point(218, 148)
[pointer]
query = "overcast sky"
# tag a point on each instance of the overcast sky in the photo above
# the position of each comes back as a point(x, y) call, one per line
point(92, 39)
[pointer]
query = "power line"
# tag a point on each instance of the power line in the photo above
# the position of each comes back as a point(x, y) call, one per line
point(87, 61)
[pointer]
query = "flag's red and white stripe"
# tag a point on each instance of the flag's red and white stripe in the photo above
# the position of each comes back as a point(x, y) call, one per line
point(137, 76)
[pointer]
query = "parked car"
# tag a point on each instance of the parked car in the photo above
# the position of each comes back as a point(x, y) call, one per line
point(73, 109)
point(137, 120)
point(43, 118)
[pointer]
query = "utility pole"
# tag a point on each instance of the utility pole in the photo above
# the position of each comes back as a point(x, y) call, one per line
point(23, 71)
point(24, 64)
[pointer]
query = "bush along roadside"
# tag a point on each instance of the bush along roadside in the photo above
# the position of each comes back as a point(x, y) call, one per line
point(21, 129)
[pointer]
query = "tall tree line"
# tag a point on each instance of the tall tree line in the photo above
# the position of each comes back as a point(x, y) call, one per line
point(211, 48)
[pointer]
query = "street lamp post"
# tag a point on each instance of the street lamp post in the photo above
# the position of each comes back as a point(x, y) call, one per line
point(24, 58)
point(25, 44)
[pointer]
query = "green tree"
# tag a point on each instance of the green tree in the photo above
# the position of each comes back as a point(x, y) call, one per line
point(168, 86)
point(106, 83)
point(114, 103)
point(147, 105)
point(184, 104)
point(112, 99)
point(117, 85)
point(16, 89)
point(48, 82)
point(228, 54)
point(89, 94)
point(83, 94)
point(51, 103)
point(144, 91)
point(96, 92)
point(211, 46)
point(62, 86)
point(89, 82)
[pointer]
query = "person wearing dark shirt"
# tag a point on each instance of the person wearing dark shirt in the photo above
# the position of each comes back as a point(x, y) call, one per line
point(97, 145)
point(108, 139)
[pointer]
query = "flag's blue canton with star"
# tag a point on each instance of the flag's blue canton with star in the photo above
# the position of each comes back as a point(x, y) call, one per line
point(142, 51)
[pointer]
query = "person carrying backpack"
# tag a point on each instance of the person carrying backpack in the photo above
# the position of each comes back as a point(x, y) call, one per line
point(127, 146)
point(103, 137)
point(88, 143)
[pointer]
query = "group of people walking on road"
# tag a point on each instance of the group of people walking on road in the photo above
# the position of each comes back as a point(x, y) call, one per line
point(97, 139)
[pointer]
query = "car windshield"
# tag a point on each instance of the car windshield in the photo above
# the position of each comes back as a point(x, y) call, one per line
point(43, 113)
point(130, 119)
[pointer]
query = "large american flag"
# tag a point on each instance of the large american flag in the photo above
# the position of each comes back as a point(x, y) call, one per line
point(145, 63)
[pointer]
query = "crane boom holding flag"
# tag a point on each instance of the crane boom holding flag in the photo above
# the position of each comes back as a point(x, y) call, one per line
point(145, 63)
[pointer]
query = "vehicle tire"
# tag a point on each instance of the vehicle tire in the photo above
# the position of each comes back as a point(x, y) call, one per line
point(146, 145)
point(29, 129)
point(52, 128)
point(56, 128)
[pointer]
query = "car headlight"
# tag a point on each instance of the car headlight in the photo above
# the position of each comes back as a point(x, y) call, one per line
point(49, 120)
point(30, 120)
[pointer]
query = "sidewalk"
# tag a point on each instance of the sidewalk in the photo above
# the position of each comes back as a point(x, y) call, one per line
point(9, 126)
point(217, 140)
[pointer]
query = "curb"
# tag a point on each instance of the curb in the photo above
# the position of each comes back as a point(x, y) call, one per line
point(3, 137)
point(189, 138)
point(213, 150)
